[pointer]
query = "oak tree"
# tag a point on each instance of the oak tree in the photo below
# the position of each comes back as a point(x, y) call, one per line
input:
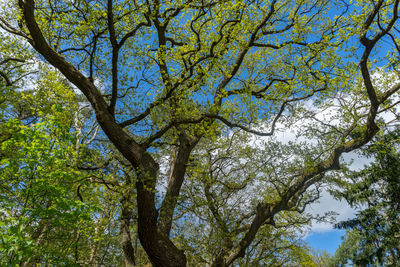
point(162, 74)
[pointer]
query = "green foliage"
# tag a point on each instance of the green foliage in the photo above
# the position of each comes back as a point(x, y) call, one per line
point(226, 178)
point(15, 246)
point(170, 82)
point(373, 236)
point(45, 219)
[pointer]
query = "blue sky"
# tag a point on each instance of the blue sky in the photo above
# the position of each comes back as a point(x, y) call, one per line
point(322, 235)
point(328, 241)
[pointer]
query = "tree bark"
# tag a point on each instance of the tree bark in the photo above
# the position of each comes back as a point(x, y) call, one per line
point(160, 249)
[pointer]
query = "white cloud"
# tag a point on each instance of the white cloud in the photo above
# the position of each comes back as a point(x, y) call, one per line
point(333, 116)
point(326, 204)
point(358, 162)
point(383, 81)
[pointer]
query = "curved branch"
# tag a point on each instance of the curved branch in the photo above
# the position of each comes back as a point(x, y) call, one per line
point(161, 250)
point(309, 176)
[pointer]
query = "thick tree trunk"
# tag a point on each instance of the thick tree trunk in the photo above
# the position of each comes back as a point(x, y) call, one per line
point(160, 249)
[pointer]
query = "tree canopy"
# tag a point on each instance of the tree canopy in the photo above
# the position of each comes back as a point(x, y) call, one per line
point(373, 236)
point(193, 96)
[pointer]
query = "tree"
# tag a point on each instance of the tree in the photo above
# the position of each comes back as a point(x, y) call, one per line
point(14, 61)
point(15, 67)
point(161, 74)
point(39, 202)
point(373, 236)
point(57, 193)
point(217, 201)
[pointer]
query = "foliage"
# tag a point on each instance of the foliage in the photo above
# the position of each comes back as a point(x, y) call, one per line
point(44, 217)
point(171, 82)
point(220, 195)
point(373, 236)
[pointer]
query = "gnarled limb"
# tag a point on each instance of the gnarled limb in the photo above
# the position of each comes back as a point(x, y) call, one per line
point(161, 250)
